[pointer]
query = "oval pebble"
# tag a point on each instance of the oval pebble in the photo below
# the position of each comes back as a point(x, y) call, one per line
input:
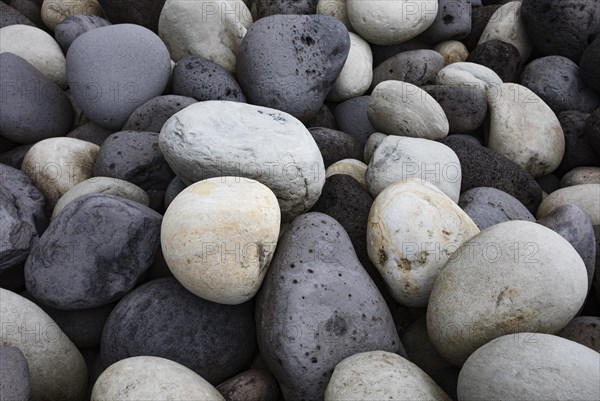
point(586, 196)
point(452, 51)
point(507, 25)
point(501, 57)
point(581, 175)
point(468, 74)
point(417, 67)
point(55, 11)
point(464, 107)
point(356, 75)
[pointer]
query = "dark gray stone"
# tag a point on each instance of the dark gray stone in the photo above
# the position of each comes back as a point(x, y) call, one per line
point(265, 8)
point(6, 145)
point(115, 69)
point(549, 183)
point(93, 253)
point(174, 188)
point(324, 118)
point(134, 156)
point(203, 79)
point(251, 385)
point(592, 131)
point(588, 65)
point(14, 374)
point(501, 57)
point(578, 151)
point(583, 330)
point(14, 157)
point(153, 114)
point(91, 132)
point(141, 12)
point(574, 225)
point(482, 167)
point(453, 22)
point(473, 138)
point(32, 9)
point(417, 67)
point(464, 106)
point(489, 206)
point(22, 216)
point(480, 17)
point(318, 306)
point(161, 318)
point(336, 145)
point(447, 379)
point(352, 118)
point(382, 53)
point(10, 16)
point(33, 107)
point(290, 62)
point(561, 27)
point(74, 26)
point(557, 81)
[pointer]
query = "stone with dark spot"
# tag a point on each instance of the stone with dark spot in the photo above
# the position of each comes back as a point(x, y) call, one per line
point(489, 206)
point(578, 151)
point(592, 130)
point(93, 253)
point(561, 27)
point(324, 118)
point(480, 16)
point(74, 26)
point(318, 306)
point(352, 118)
point(336, 145)
point(174, 188)
point(22, 216)
point(558, 82)
point(140, 12)
point(153, 114)
point(91, 132)
point(501, 57)
point(134, 156)
point(10, 16)
point(464, 107)
point(202, 79)
point(382, 53)
point(161, 318)
point(290, 62)
point(14, 157)
point(574, 225)
point(251, 385)
point(482, 167)
point(417, 67)
point(588, 65)
point(453, 22)
point(265, 8)
point(584, 330)
point(14, 374)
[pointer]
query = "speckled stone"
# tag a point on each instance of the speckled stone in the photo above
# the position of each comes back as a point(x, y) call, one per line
point(417, 67)
point(152, 115)
point(578, 152)
point(336, 145)
point(464, 107)
point(251, 385)
point(501, 57)
point(140, 12)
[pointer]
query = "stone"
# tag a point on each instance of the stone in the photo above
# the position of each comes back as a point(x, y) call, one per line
point(30, 9)
point(251, 385)
point(390, 23)
point(145, 13)
point(337, 9)
point(417, 67)
point(323, 119)
point(266, 8)
point(74, 26)
point(562, 28)
point(14, 372)
point(578, 152)
point(145, 377)
point(352, 167)
point(507, 25)
point(464, 107)
point(33, 107)
point(400, 158)
point(356, 75)
point(470, 75)
point(490, 206)
point(56, 165)
point(586, 196)
point(413, 230)
point(202, 79)
point(57, 370)
point(202, 142)
point(420, 350)
point(530, 366)
point(281, 56)
point(56, 11)
point(382, 53)
point(11, 16)
point(152, 115)
point(580, 175)
point(78, 265)
point(379, 375)
point(318, 306)
point(453, 51)
point(37, 48)
point(14, 157)
point(480, 16)
point(501, 57)
point(482, 167)
point(372, 144)
point(583, 330)
point(453, 21)
point(134, 156)
point(352, 118)
point(557, 81)
point(592, 130)
point(127, 64)
point(174, 189)
point(218, 29)
point(401, 108)
point(336, 145)
point(515, 109)
point(161, 318)
point(23, 219)
point(102, 185)
point(588, 65)
point(91, 132)
point(513, 277)
point(205, 222)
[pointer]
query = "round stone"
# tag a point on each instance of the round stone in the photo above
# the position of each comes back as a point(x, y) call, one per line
point(530, 366)
point(387, 23)
point(417, 67)
point(153, 114)
point(470, 75)
point(379, 375)
point(150, 377)
point(74, 26)
point(356, 75)
point(507, 25)
point(352, 167)
point(586, 196)
point(453, 51)
point(489, 206)
point(336, 145)
point(513, 277)
point(453, 20)
point(464, 107)
point(205, 221)
point(14, 373)
point(115, 69)
point(55, 11)
point(583, 330)
point(401, 108)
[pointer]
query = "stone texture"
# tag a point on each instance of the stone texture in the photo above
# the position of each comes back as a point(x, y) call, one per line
point(583, 330)
point(251, 385)
point(417, 67)
point(74, 26)
point(501, 57)
point(152, 115)
point(144, 13)
point(453, 51)
point(14, 371)
point(489, 206)
point(474, 76)
point(464, 108)
point(352, 118)
point(507, 25)
point(352, 167)
point(11, 16)
point(586, 196)
point(266, 8)
point(578, 152)
point(480, 17)
point(580, 175)
point(356, 75)
point(336, 145)
point(453, 21)
point(56, 11)
point(91, 132)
